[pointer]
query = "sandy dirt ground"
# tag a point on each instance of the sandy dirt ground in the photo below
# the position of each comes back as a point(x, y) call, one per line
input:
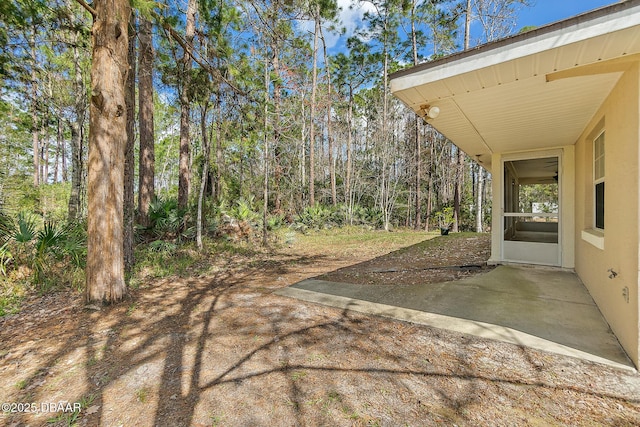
point(222, 350)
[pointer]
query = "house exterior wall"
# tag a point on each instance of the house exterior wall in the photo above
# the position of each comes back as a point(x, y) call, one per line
point(617, 247)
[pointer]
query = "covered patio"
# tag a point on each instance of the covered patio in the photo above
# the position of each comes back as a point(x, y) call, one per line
point(545, 309)
point(556, 106)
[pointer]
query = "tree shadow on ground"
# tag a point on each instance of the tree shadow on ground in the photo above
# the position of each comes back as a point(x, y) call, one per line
point(223, 349)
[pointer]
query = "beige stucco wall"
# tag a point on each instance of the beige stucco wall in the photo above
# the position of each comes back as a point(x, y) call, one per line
point(619, 118)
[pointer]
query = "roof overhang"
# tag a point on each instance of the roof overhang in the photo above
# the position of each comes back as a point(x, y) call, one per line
point(534, 90)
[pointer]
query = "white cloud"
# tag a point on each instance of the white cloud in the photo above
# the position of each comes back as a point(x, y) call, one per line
point(351, 14)
point(350, 18)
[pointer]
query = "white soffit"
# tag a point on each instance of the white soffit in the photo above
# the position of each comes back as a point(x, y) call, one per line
point(534, 92)
point(528, 116)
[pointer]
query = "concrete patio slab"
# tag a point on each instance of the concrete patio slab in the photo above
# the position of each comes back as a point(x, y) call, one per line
point(546, 309)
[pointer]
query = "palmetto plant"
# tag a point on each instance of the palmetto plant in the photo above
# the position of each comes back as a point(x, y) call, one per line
point(18, 235)
point(5, 254)
point(315, 217)
point(47, 243)
point(166, 218)
point(24, 243)
point(25, 228)
point(241, 210)
point(319, 216)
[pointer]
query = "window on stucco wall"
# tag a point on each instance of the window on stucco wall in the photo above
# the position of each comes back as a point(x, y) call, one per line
point(599, 180)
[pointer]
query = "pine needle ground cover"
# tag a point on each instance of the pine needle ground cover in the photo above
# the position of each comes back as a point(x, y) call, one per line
point(213, 345)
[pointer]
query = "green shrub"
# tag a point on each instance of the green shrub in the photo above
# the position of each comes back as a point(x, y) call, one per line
point(315, 217)
point(242, 210)
point(45, 250)
point(444, 217)
point(371, 217)
point(275, 222)
point(166, 218)
point(324, 217)
point(162, 246)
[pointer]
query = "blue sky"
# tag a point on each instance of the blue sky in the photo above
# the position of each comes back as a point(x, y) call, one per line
point(548, 11)
point(543, 12)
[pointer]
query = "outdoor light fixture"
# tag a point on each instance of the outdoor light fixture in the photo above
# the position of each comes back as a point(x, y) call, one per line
point(430, 112)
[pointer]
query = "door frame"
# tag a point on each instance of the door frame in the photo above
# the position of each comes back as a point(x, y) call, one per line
point(531, 155)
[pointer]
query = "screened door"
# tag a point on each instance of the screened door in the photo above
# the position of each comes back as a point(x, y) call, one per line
point(531, 215)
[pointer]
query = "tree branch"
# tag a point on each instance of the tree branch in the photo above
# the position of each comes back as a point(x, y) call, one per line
point(215, 73)
point(89, 9)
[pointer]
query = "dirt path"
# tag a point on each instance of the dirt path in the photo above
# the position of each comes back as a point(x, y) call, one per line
point(223, 350)
point(444, 259)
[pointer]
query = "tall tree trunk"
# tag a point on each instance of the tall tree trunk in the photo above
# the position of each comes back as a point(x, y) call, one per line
point(47, 118)
point(303, 150)
point(34, 110)
point(418, 161)
point(331, 148)
point(385, 189)
point(107, 140)
point(332, 154)
point(457, 195)
point(312, 110)
point(77, 134)
point(205, 173)
point(129, 153)
point(184, 177)
point(46, 149)
point(46, 138)
point(480, 180)
point(417, 154)
point(347, 183)
point(467, 25)
point(265, 188)
point(59, 145)
point(430, 183)
point(76, 170)
point(277, 167)
point(63, 160)
point(457, 192)
point(219, 152)
point(146, 169)
point(479, 193)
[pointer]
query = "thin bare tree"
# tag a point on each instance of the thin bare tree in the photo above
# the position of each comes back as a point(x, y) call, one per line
point(185, 111)
point(146, 165)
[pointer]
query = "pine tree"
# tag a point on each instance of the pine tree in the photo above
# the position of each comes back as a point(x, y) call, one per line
point(107, 139)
